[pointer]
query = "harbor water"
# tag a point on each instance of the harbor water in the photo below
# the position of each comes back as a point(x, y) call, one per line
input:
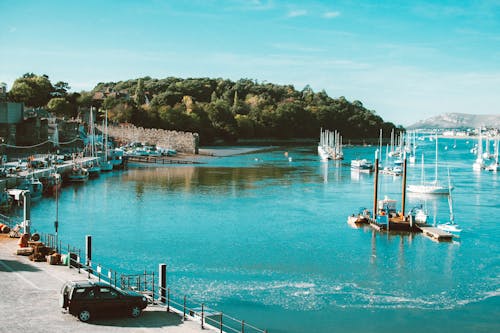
point(262, 236)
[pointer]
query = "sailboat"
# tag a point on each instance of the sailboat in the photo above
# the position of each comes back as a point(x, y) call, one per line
point(479, 162)
point(450, 226)
point(495, 166)
point(433, 187)
point(330, 145)
point(106, 165)
point(94, 168)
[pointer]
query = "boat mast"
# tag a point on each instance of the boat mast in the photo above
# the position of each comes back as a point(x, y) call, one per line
point(422, 174)
point(436, 162)
point(106, 137)
point(450, 200)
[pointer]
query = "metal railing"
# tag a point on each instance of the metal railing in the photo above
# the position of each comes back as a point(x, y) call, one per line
point(207, 316)
point(144, 283)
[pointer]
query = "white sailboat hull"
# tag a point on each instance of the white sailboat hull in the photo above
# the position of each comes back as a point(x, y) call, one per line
point(429, 189)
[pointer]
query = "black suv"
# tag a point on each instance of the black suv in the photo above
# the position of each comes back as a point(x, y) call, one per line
point(86, 299)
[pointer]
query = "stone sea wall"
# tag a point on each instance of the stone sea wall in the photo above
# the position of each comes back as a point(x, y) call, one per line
point(184, 142)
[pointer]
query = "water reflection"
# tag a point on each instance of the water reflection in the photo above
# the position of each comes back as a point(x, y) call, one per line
point(217, 179)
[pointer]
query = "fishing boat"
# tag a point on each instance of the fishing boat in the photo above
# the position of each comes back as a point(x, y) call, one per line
point(362, 217)
point(450, 226)
point(78, 174)
point(52, 183)
point(362, 165)
point(34, 185)
point(419, 214)
point(5, 202)
point(432, 187)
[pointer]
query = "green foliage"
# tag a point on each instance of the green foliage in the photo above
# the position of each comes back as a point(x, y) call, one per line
point(140, 98)
point(61, 89)
point(214, 108)
point(60, 107)
point(32, 90)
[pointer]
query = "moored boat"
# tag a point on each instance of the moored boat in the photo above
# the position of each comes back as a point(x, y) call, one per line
point(52, 182)
point(433, 187)
point(78, 174)
point(362, 165)
point(34, 185)
point(362, 217)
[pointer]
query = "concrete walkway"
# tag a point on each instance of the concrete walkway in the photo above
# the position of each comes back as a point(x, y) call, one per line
point(29, 301)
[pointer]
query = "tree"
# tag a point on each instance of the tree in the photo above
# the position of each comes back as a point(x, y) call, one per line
point(140, 97)
point(61, 89)
point(32, 90)
point(222, 119)
point(60, 107)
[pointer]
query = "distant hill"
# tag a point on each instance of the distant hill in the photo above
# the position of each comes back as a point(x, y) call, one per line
point(458, 120)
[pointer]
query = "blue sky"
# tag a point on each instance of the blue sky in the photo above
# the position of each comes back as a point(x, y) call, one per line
point(407, 60)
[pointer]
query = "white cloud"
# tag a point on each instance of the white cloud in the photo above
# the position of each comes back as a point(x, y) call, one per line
point(297, 13)
point(330, 15)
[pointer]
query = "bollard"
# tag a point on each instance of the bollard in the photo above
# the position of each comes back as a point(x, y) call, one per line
point(242, 326)
point(88, 253)
point(163, 281)
point(202, 315)
point(221, 323)
point(69, 258)
point(78, 261)
point(184, 316)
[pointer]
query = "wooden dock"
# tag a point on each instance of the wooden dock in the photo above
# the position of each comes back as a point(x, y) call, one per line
point(158, 160)
point(436, 233)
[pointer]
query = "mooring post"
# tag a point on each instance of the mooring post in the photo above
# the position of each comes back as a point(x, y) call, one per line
point(184, 315)
point(69, 257)
point(77, 261)
point(88, 253)
point(202, 315)
point(162, 268)
point(27, 211)
point(168, 300)
point(375, 188)
point(242, 326)
point(403, 190)
point(221, 322)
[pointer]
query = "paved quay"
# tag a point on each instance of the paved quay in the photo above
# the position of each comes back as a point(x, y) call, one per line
point(29, 301)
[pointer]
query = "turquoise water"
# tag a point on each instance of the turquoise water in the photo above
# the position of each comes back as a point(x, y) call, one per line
point(266, 240)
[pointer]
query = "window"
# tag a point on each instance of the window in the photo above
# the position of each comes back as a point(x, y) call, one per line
point(108, 293)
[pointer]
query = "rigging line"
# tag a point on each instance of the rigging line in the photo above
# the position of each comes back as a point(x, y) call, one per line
point(40, 144)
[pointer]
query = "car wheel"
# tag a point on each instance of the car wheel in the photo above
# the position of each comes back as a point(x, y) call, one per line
point(84, 315)
point(135, 311)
